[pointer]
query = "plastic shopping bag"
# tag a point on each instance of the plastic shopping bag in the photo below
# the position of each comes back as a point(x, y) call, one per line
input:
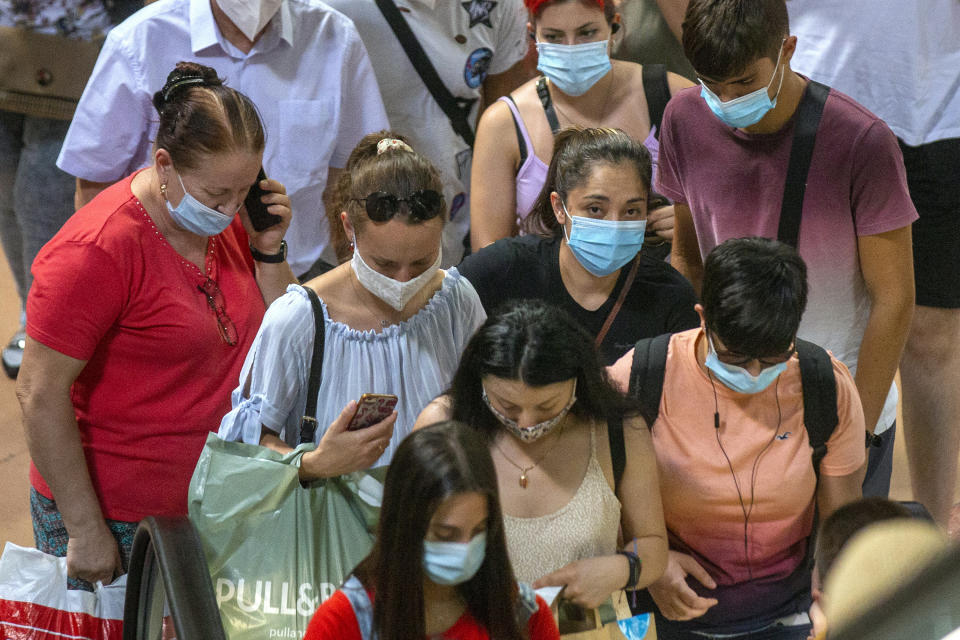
point(35, 603)
point(276, 549)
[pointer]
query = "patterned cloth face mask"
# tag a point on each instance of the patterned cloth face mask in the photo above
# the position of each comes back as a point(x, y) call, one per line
point(534, 431)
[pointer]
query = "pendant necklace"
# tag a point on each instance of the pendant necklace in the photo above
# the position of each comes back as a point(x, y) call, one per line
point(383, 323)
point(524, 470)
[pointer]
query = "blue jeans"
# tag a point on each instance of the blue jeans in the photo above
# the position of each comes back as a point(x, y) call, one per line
point(36, 197)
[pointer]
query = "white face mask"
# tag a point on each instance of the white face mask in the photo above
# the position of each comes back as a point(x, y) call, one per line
point(395, 293)
point(250, 16)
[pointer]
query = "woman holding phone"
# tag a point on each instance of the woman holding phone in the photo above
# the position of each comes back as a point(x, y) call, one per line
point(394, 322)
point(142, 309)
point(439, 567)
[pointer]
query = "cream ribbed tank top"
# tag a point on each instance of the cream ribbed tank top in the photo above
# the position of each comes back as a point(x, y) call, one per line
point(585, 527)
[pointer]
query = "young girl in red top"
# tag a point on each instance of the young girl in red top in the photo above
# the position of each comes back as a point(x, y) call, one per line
point(439, 567)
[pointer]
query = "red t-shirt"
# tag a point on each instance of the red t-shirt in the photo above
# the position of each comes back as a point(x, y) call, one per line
point(109, 290)
point(335, 620)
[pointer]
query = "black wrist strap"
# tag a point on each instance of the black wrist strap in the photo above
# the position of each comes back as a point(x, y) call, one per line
point(635, 565)
point(456, 109)
point(308, 423)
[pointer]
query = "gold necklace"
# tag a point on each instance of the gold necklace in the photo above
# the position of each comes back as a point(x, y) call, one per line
point(524, 470)
point(603, 111)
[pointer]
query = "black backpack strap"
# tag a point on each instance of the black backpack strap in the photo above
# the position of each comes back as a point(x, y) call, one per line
point(819, 398)
point(657, 90)
point(804, 136)
point(308, 423)
point(456, 109)
point(547, 103)
point(516, 127)
point(647, 373)
point(618, 452)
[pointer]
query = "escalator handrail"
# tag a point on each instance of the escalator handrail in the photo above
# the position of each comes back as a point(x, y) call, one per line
point(178, 553)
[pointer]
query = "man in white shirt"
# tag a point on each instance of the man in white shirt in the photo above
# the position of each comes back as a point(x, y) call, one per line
point(901, 60)
point(301, 63)
point(476, 46)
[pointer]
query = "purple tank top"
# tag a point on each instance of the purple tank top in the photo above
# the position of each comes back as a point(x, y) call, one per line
point(533, 172)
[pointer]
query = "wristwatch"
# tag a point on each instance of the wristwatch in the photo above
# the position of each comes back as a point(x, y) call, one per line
point(272, 258)
point(874, 440)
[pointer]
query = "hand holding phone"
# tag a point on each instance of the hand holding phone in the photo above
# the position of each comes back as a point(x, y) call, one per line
point(371, 409)
point(260, 218)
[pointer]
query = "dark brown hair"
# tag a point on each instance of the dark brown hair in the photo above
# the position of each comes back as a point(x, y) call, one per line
point(397, 171)
point(722, 37)
point(576, 151)
point(431, 465)
point(200, 116)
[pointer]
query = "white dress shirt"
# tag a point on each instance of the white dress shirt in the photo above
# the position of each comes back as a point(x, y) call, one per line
point(308, 74)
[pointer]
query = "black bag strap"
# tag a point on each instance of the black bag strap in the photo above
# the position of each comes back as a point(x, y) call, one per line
point(646, 374)
point(547, 103)
point(308, 423)
point(516, 126)
point(656, 88)
point(819, 398)
point(456, 109)
point(618, 452)
point(804, 136)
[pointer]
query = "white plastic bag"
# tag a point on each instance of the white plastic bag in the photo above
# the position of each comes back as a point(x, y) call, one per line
point(36, 604)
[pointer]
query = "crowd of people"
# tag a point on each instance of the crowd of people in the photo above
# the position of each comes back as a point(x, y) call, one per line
point(641, 334)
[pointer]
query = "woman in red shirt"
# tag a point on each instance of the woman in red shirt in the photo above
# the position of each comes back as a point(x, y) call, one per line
point(142, 309)
point(439, 567)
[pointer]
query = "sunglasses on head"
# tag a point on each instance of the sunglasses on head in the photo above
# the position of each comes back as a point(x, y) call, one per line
point(421, 205)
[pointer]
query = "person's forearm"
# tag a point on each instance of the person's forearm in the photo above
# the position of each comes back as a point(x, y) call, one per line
point(272, 279)
point(686, 248)
point(880, 352)
point(53, 439)
point(86, 191)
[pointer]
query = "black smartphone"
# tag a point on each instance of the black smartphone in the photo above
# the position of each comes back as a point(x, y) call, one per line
point(260, 218)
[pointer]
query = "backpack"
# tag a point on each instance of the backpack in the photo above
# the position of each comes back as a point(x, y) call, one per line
point(816, 377)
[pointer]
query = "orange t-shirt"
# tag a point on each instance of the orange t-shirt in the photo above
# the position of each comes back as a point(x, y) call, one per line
point(700, 500)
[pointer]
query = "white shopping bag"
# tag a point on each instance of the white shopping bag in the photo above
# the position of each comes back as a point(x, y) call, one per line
point(36, 604)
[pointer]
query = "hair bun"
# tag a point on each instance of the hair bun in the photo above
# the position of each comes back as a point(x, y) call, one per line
point(185, 74)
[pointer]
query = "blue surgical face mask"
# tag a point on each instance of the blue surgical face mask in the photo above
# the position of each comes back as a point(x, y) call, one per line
point(451, 563)
point(738, 378)
point(574, 68)
point(603, 246)
point(196, 217)
point(746, 110)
